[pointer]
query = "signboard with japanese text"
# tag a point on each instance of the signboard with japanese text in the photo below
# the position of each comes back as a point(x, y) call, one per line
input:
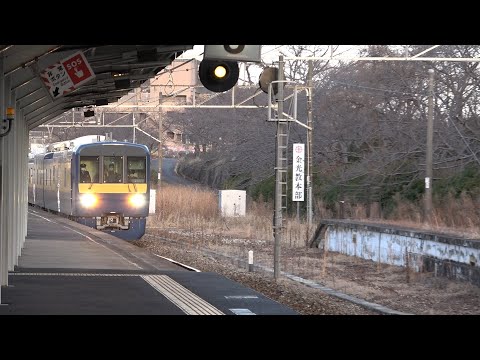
point(67, 75)
point(298, 172)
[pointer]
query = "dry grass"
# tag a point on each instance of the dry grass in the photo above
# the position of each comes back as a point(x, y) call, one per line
point(196, 210)
point(188, 208)
point(192, 216)
point(450, 215)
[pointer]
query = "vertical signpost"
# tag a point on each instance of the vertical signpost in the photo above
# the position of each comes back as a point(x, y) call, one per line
point(298, 175)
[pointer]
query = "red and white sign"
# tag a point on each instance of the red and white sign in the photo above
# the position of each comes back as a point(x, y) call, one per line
point(67, 75)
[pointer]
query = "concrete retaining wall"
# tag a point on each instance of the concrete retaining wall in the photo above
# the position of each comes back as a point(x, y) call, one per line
point(456, 258)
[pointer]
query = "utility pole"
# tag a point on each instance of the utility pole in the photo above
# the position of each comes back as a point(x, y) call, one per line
point(429, 160)
point(160, 142)
point(309, 146)
point(280, 172)
point(137, 93)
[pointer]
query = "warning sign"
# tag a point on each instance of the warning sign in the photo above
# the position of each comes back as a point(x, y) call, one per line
point(78, 69)
point(67, 75)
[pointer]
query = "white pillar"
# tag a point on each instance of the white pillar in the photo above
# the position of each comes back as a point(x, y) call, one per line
point(18, 177)
point(3, 262)
point(11, 171)
point(23, 211)
point(7, 200)
point(4, 191)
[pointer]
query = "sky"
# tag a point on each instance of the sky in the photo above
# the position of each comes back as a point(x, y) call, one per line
point(268, 52)
point(269, 55)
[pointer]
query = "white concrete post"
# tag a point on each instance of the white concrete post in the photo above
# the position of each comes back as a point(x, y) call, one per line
point(10, 172)
point(16, 179)
point(3, 244)
point(24, 194)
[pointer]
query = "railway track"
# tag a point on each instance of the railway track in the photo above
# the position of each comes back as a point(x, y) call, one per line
point(230, 265)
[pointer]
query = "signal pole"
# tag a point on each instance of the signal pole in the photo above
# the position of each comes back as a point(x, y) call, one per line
point(160, 142)
point(280, 172)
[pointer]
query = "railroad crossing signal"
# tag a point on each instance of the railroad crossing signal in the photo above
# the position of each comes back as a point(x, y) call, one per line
point(219, 69)
point(218, 75)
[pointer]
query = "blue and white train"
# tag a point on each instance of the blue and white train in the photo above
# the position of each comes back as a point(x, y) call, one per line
point(116, 204)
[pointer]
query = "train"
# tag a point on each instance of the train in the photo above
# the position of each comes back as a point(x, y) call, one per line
point(97, 182)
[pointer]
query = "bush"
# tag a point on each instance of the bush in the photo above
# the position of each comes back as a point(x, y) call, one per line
point(264, 189)
point(467, 181)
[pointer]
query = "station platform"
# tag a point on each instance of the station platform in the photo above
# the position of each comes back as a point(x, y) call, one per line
point(66, 268)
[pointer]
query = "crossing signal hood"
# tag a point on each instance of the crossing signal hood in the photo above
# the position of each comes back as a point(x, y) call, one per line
point(233, 52)
point(218, 75)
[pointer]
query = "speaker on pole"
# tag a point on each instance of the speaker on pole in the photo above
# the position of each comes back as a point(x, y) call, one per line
point(268, 75)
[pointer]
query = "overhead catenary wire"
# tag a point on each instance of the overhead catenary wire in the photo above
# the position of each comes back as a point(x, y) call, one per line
point(465, 141)
point(377, 89)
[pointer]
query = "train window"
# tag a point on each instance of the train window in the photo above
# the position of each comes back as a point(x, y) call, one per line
point(113, 169)
point(136, 169)
point(89, 169)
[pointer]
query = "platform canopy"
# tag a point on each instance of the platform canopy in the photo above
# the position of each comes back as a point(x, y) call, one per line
point(51, 79)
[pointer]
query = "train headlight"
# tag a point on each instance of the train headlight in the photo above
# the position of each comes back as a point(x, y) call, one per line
point(137, 200)
point(88, 200)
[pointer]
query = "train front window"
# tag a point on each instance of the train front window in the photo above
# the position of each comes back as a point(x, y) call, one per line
point(136, 169)
point(112, 169)
point(89, 169)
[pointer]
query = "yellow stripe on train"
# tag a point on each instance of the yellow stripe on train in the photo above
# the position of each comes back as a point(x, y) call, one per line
point(112, 188)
